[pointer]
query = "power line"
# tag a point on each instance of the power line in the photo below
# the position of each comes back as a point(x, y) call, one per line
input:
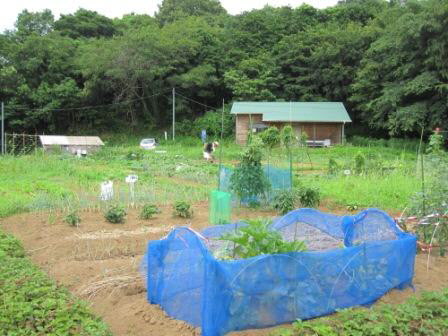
point(87, 107)
point(195, 101)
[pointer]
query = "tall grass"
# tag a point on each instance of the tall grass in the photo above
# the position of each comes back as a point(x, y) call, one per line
point(388, 192)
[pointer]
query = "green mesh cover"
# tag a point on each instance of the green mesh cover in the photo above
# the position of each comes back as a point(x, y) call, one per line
point(220, 207)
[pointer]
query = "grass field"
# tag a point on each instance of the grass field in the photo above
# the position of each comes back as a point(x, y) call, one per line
point(43, 181)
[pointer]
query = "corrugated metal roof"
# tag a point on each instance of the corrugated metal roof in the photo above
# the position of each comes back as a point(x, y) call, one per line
point(294, 111)
point(62, 140)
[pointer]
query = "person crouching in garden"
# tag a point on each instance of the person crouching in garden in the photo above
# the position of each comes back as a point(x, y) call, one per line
point(209, 148)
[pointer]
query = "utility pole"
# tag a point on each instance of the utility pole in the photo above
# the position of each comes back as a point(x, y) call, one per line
point(3, 128)
point(174, 112)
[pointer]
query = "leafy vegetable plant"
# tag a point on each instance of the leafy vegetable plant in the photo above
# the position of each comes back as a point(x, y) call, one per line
point(309, 197)
point(256, 238)
point(148, 211)
point(115, 214)
point(73, 218)
point(33, 304)
point(182, 209)
point(284, 201)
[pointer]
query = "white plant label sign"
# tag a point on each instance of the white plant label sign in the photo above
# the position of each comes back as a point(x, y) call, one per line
point(131, 179)
point(107, 191)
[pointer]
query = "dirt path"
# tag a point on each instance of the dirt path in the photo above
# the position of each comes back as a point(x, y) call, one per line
point(99, 262)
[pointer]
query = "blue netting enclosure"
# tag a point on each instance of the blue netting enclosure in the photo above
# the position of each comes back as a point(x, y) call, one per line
point(352, 260)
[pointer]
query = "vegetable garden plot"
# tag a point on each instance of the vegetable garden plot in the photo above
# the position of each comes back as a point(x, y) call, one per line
point(190, 284)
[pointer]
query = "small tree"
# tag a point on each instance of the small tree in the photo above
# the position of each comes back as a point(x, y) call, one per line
point(270, 137)
point(248, 180)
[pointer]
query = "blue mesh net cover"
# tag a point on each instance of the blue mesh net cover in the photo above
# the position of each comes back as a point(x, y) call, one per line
point(372, 256)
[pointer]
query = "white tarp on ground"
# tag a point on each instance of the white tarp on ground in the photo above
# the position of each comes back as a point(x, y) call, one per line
point(62, 140)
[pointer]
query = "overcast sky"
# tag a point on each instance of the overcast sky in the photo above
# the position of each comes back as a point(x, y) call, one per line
point(9, 9)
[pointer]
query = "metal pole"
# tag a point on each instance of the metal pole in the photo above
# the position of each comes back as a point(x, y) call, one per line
point(220, 146)
point(174, 112)
point(3, 128)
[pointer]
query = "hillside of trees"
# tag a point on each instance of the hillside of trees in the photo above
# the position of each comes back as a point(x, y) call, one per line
point(386, 60)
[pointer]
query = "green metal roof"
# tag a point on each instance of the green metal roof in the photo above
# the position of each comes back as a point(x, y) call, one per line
point(294, 111)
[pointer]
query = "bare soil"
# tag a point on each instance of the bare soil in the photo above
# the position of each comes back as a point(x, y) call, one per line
point(99, 261)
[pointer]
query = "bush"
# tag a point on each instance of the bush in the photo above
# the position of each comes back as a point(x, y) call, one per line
point(270, 137)
point(248, 181)
point(284, 201)
point(211, 122)
point(148, 211)
point(182, 209)
point(309, 197)
point(115, 214)
point(256, 238)
point(287, 136)
point(73, 219)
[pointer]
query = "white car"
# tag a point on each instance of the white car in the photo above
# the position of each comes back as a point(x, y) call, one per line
point(148, 143)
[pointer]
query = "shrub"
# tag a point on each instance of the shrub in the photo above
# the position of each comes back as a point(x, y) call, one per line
point(115, 214)
point(148, 211)
point(309, 197)
point(248, 181)
point(270, 137)
point(211, 121)
point(287, 136)
point(256, 238)
point(73, 218)
point(284, 201)
point(182, 209)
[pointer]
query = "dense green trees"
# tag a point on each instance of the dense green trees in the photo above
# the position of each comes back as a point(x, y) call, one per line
point(85, 23)
point(386, 60)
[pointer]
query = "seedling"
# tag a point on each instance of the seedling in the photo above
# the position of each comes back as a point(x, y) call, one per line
point(182, 209)
point(73, 218)
point(115, 214)
point(148, 211)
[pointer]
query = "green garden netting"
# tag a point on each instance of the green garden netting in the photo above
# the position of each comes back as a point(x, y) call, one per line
point(220, 207)
point(279, 179)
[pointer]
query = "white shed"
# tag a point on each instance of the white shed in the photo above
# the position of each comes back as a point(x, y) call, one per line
point(72, 144)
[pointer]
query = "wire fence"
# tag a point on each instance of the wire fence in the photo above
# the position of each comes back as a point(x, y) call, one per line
point(21, 144)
